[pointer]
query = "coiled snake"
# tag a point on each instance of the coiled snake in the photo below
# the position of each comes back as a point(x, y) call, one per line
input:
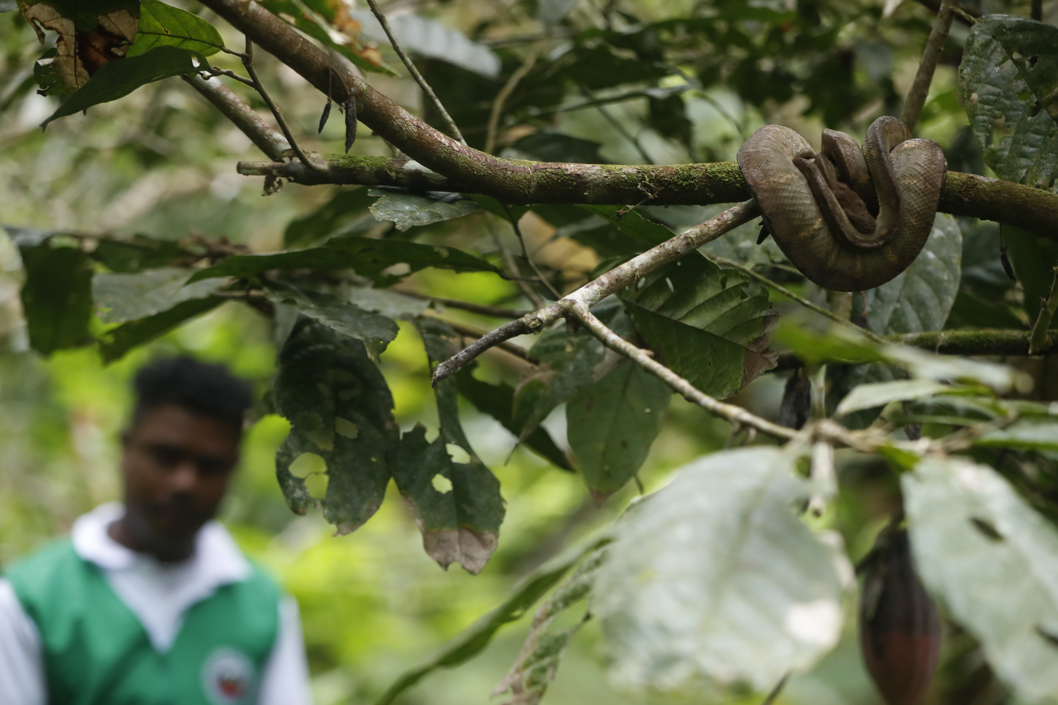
point(849, 219)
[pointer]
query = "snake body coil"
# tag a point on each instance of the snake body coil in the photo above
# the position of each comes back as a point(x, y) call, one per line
point(849, 219)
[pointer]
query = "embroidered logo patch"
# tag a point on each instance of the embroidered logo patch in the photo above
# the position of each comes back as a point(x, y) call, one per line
point(227, 676)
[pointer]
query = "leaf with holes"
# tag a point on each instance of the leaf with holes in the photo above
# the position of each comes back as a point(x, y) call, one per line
point(163, 25)
point(457, 506)
point(974, 538)
point(611, 424)
point(711, 325)
point(1008, 80)
point(714, 581)
point(373, 330)
point(384, 261)
point(341, 410)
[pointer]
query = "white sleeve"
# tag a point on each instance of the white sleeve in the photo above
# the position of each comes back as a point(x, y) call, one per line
point(285, 680)
point(21, 665)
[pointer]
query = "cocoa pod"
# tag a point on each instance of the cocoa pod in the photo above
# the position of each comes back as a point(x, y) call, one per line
point(899, 626)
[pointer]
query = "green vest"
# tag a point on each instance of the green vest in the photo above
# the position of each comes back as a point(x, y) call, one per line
point(96, 652)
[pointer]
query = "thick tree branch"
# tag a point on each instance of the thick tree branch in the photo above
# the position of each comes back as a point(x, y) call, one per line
point(609, 283)
point(267, 139)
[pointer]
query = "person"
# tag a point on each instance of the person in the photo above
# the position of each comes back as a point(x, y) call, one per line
point(151, 601)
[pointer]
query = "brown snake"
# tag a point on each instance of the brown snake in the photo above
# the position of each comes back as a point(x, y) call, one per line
point(849, 219)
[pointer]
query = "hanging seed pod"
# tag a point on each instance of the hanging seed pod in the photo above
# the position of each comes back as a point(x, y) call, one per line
point(899, 627)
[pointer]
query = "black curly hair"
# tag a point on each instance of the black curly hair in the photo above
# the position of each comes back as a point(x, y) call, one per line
point(200, 387)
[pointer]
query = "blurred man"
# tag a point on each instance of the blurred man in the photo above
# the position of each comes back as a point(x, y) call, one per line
point(151, 601)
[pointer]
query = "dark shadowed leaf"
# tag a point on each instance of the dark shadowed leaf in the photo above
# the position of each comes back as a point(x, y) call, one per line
point(117, 79)
point(1008, 80)
point(373, 330)
point(713, 580)
point(127, 297)
point(611, 424)
point(1033, 258)
point(340, 409)
point(369, 258)
point(136, 254)
point(56, 295)
point(164, 25)
point(346, 213)
point(555, 147)
point(974, 538)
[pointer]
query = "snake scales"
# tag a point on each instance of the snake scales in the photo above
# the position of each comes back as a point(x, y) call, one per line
point(849, 219)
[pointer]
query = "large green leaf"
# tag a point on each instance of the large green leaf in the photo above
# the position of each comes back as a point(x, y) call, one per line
point(127, 297)
point(341, 410)
point(117, 79)
point(164, 25)
point(1008, 80)
point(118, 341)
point(472, 641)
point(369, 258)
point(714, 579)
point(373, 330)
point(56, 295)
point(1027, 434)
point(457, 506)
point(994, 562)
point(611, 424)
point(711, 325)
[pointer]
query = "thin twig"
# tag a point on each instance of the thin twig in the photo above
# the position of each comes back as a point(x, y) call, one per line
point(512, 264)
point(215, 71)
point(794, 297)
point(916, 97)
point(247, 61)
point(618, 126)
point(265, 137)
point(415, 72)
point(774, 694)
point(504, 346)
point(614, 280)
point(504, 94)
point(1038, 341)
point(643, 358)
point(494, 311)
point(532, 264)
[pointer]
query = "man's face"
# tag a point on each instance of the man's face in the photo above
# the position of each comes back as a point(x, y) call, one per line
point(177, 465)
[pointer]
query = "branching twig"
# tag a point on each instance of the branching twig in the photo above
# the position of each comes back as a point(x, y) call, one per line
point(614, 280)
point(512, 264)
point(247, 61)
point(504, 346)
point(215, 71)
point(267, 139)
point(415, 72)
point(505, 92)
point(916, 97)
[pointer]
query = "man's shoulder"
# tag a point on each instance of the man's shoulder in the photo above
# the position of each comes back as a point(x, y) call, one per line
point(50, 566)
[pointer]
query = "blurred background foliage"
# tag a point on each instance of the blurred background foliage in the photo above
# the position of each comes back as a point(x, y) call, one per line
point(161, 162)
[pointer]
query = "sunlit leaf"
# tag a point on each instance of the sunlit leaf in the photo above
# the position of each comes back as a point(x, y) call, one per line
point(994, 562)
point(164, 25)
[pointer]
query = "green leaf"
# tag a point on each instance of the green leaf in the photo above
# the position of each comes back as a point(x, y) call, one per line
point(646, 233)
point(118, 341)
point(373, 330)
point(164, 25)
point(441, 343)
point(408, 210)
point(472, 641)
point(370, 258)
point(497, 400)
point(136, 254)
point(390, 303)
point(994, 562)
point(555, 147)
point(611, 424)
point(56, 295)
point(1033, 258)
point(341, 410)
point(346, 213)
point(950, 410)
point(740, 245)
point(1028, 434)
point(116, 79)
point(127, 297)
point(714, 578)
point(530, 676)
point(432, 39)
point(867, 396)
point(1008, 80)
point(457, 506)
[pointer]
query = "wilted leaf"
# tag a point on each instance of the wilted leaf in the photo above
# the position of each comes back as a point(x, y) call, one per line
point(341, 410)
point(369, 258)
point(611, 424)
point(119, 78)
point(994, 561)
point(373, 330)
point(164, 25)
point(408, 210)
point(715, 578)
point(1008, 80)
